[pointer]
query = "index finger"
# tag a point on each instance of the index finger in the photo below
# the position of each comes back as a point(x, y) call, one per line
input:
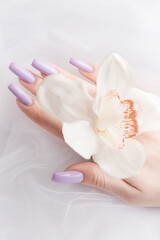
point(87, 69)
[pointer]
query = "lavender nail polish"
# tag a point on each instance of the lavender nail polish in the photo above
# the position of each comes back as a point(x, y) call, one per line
point(43, 67)
point(68, 177)
point(22, 73)
point(20, 94)
point(81, 65)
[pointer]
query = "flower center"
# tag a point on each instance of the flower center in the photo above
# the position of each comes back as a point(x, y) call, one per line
point(101, 132)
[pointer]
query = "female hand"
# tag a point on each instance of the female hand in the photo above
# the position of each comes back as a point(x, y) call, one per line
point(140, 190)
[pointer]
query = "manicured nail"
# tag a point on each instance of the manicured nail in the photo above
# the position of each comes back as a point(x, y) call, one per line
point(22, 73)
point(81, 65)
point(20, 94)
point(68, 177)
point(43, 67)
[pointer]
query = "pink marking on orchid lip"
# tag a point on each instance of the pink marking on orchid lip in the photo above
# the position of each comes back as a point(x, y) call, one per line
point(130, 119)
point(129, 123)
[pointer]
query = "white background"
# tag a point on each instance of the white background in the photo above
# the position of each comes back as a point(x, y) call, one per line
point(31, 206)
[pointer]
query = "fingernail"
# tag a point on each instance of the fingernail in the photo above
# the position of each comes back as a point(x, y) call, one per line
point(22, 96)
point(22, 73)
point(81, 65)
point(43, 67)
point(68, 177)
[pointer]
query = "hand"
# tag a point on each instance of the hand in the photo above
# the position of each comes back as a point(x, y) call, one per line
point(140, 190)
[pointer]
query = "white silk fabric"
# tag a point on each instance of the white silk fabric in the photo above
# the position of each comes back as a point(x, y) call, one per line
point(31, 206)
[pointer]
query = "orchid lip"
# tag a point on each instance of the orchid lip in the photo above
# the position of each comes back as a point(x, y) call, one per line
point(117, 117)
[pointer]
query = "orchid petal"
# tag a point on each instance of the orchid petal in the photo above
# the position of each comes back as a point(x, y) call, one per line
point(114, 74)
point(66, 99)
point(81, 137)
point(121, 163)
point(109, 114)
point(149, 111)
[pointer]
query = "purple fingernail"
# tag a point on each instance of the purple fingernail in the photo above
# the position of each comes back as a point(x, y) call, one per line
point(22, 73)
point(81, 65)
point(68, 177)
point(43, 67)
point(20, 94)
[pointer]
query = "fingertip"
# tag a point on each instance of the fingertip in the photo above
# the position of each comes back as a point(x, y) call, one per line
point(91, 76)
point(33, 111)
point(43, 67)
point(90, 172)
point(19, 93)
point(33, 86)
point(68, 177)
point(21, 105)
point(85, 66)
point(11, 66)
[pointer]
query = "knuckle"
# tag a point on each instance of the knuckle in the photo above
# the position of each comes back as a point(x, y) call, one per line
point(100, 181)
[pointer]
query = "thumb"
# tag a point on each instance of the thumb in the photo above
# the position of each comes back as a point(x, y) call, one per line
point(92, 174)
point(89, 173)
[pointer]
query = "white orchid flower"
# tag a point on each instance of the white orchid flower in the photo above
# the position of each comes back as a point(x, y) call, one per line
point(104, 127)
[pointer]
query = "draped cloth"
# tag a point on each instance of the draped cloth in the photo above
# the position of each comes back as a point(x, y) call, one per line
point(31, 205)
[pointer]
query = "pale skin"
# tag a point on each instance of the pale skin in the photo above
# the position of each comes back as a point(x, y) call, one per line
point(140, 190)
